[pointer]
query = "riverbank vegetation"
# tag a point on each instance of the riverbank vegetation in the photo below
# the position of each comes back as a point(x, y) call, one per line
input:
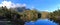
point(20, 15)
point(55, 16)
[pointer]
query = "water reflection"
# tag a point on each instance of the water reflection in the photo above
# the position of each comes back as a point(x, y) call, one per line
point(41, 22)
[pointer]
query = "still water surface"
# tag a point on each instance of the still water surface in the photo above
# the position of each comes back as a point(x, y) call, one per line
point(41, 22)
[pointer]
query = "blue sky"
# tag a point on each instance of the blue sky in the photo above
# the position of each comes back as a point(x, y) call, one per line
point(41, 5)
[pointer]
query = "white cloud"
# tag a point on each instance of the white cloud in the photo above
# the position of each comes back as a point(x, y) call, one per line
point(9, 4)
point(32, 7)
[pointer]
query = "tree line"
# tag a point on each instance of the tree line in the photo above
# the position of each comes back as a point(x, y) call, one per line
point(18, 17)
point(55, 16)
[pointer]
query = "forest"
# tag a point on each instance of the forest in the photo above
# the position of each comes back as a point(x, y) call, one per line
point(20, 15)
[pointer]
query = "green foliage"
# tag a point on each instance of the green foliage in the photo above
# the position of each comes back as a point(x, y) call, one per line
point(55, 15)
point(13, 15)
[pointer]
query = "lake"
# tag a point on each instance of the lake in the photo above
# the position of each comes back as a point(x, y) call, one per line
point(41, 22)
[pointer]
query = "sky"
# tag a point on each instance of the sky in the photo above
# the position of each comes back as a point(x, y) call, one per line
point(41, 5)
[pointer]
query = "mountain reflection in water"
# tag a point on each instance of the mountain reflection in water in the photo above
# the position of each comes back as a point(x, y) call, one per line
point(41, 22)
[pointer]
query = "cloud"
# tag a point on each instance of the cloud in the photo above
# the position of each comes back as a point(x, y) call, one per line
point(10, 4)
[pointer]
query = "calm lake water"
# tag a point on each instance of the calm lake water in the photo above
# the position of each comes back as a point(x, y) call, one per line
point(41, 22)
